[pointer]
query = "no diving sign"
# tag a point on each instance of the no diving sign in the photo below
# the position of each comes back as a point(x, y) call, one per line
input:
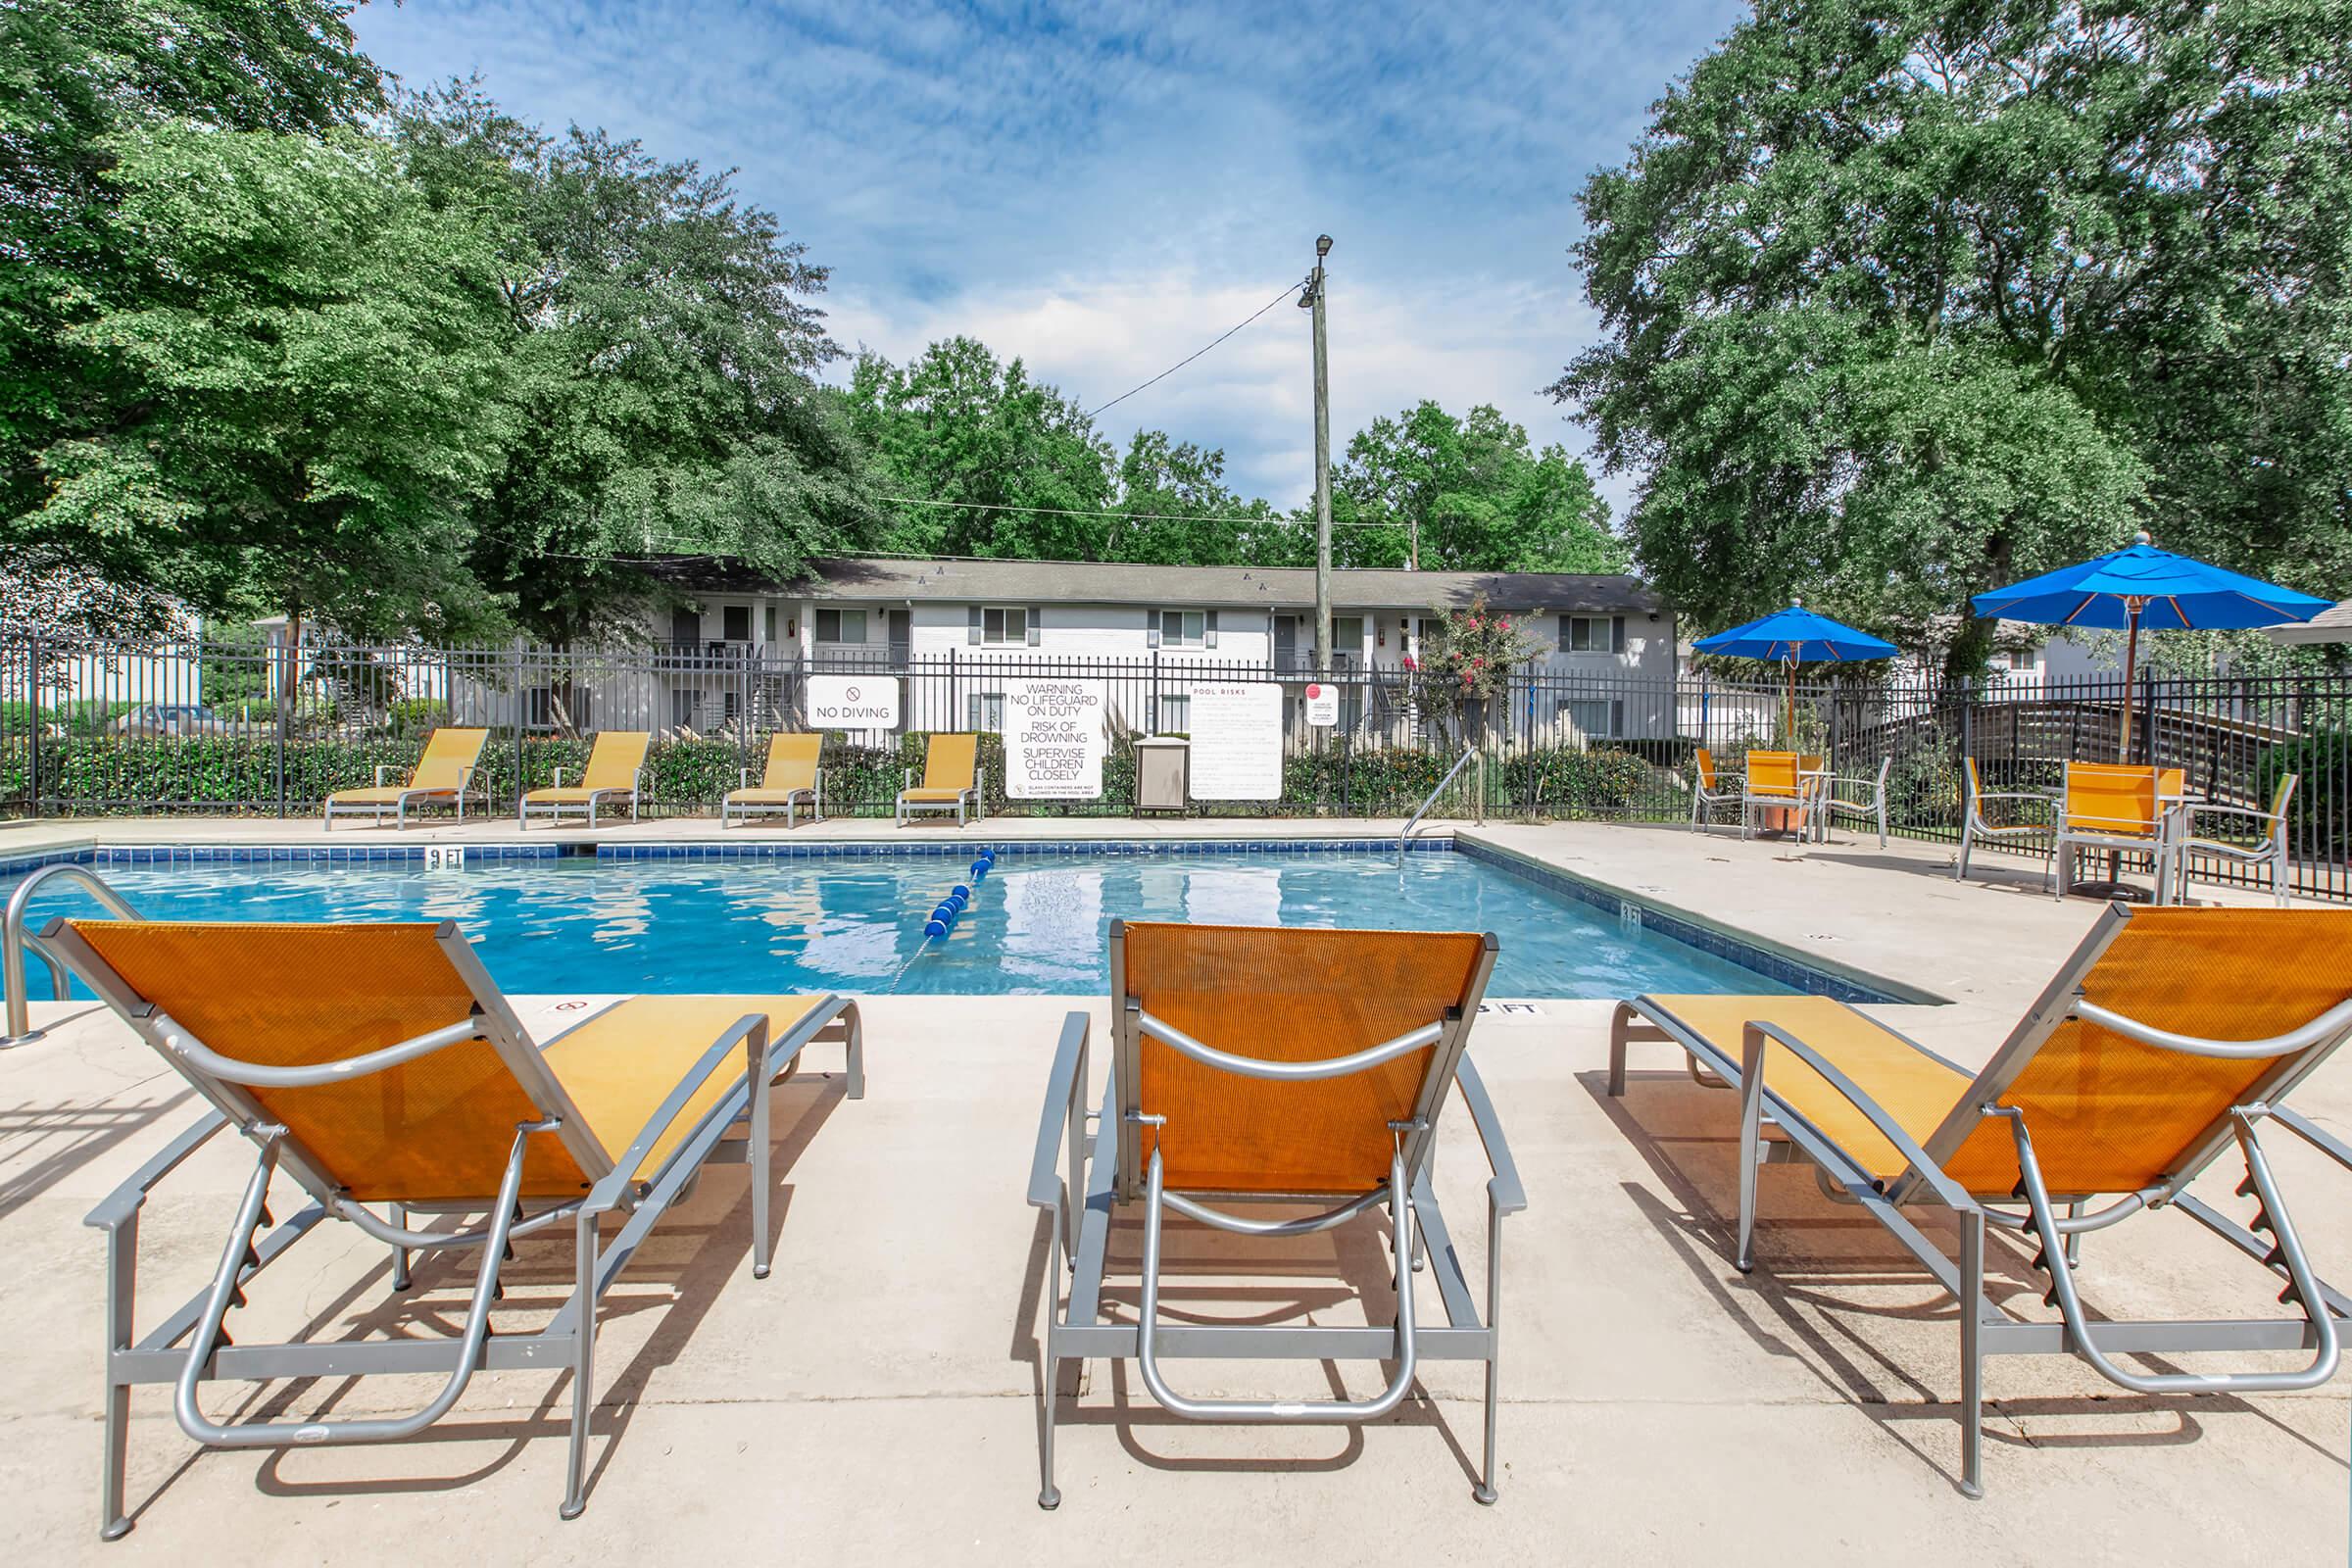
point(853, 701)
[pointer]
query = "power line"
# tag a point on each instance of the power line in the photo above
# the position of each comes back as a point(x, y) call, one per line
point(1196, 352)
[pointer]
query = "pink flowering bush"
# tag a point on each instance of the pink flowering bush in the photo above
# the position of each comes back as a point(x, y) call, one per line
point(1470, 656)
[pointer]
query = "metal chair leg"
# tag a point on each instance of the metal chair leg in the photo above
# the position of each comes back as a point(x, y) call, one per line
point(583, 1368)
point(399, 1214)
point(1972, 1356)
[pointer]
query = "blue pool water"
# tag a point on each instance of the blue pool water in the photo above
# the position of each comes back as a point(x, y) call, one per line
point(1036, 925)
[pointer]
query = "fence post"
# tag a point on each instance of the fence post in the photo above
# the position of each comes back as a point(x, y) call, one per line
point(32, 690)
point(289, 669)
point(521, 710)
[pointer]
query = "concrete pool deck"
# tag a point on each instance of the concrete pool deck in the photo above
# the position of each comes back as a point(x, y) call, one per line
point(875, 1397)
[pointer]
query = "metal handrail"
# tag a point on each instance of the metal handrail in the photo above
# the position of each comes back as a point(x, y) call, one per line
point(1404, 838)
point(16, 942)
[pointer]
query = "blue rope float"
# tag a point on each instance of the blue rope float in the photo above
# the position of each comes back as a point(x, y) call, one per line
point(944, 913)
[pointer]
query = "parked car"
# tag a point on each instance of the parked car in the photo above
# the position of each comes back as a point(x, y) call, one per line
point(173, 719)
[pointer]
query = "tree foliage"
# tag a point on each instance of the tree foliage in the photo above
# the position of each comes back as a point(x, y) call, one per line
point(1908, 298)
point(1466, 494)
point(658, 356)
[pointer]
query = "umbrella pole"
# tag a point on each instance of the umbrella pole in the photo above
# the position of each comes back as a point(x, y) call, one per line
point(1792, 730)
point(2130, 673)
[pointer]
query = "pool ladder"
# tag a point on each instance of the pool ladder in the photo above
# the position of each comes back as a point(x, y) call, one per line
point(1469, 754)
point(16, 942)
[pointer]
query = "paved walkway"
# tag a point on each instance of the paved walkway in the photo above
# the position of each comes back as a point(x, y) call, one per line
point(874, 1398)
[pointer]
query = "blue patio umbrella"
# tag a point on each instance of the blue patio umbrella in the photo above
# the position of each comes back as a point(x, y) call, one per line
point(1796, 636)
point(2141, 586)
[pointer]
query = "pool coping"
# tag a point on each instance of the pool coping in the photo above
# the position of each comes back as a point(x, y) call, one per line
point(1806, 972)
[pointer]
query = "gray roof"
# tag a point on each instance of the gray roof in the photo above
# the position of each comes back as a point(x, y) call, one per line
point(1023, 582)
point(2330, 625)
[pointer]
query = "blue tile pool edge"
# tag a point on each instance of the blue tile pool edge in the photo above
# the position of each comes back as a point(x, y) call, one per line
point(1760, 955)
point(1801, 971)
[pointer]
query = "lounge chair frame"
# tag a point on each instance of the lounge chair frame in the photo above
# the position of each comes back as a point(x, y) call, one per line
point(743, 810)
point(1103, 1167)
point(1869, 799)
point(2270, 851)
point(525, 806)
point(1987, 1329)
point(1705, 796)
point(398, 809)
point(190, 1346)
point(1974, 826)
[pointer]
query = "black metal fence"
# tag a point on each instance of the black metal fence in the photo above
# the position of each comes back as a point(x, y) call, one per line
point(256, 728)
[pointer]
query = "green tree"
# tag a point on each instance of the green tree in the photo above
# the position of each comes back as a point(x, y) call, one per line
point(659, 373)
point(1907, 299)
point(304, 383)
point(956, 424)
point(1175, 508)
point(73, 78)
point(1466, 494)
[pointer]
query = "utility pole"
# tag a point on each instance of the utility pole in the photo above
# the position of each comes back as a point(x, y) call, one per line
point(1313, 300)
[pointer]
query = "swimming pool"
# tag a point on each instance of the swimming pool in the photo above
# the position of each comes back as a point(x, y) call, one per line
point(1036, 924)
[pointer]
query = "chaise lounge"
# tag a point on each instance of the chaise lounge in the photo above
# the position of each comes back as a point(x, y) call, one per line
point(445, 772)
point(378, 1067)
point(2166, 1040)
point(615, 771)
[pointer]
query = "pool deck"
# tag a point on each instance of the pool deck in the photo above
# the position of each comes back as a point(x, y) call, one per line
point(875, 1398)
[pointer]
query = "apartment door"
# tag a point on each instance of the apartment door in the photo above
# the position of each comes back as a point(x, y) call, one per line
point(1286, 642)
point(900, 624)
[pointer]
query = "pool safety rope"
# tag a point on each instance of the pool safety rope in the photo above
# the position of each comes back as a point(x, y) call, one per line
point(948, 911)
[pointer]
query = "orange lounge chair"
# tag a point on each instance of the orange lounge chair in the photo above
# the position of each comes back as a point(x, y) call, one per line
point(1713, 789)
point(2166, 1040)
point(1784, 782)
point(445, 772)
point(615, 768)
point(792, 780)
point(1276, 1065)
point(2118, 806)
point(379, 1066)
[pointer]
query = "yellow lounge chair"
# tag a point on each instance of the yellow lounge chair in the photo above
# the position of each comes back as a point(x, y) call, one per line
point(379, 1065)
point(616, 767)
point(2118, 806)
point(1977, 826)
point(791, 781)
point(2167, 1039)
point(1281, 1065)
point(951, 781)
point(445, 772)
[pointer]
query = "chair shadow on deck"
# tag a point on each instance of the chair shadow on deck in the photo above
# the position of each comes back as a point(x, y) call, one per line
point(1807, 1303)
point(680, 1270)
point(40, 1145)
point(1233, 1279)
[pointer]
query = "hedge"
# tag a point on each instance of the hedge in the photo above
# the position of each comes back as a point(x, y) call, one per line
point(116, 774)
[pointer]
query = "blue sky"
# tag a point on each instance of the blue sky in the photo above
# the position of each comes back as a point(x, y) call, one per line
point(1100, 190)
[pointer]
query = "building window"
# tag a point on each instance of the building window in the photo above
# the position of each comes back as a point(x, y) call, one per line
point(984, 712)
point(1175, 716)
point(1346, 640)
point(841, 625)
point(735, 623)
point(769, 624)
point(1002, 627)
point(1592, 634)
point(1183, 628)
point(1597, 719)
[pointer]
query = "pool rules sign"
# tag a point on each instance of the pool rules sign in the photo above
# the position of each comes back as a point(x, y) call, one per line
point(1053, 740)
point(1237, 741)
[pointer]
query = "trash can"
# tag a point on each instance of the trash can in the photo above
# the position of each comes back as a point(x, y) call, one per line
point(1163, 773)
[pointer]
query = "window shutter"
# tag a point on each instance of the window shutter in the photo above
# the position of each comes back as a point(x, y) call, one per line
point(1616, 634)
point(1032, 617)
point(1567, 633)
point(1209, 634)
point(974, 633)
point(1150, 628)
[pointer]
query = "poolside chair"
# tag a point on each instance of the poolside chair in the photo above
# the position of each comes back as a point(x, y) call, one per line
point(445, 772)
point(1859, 797)
point(1713, 789)
point(2168, 1038)
point(1269, 1064)
point(791, 781)
point(615, 768)
point(951, 781)
point(379, 1066)
point(1785, 782)
point(2270, 848)
point(1975, 825)
point(2121, 808)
